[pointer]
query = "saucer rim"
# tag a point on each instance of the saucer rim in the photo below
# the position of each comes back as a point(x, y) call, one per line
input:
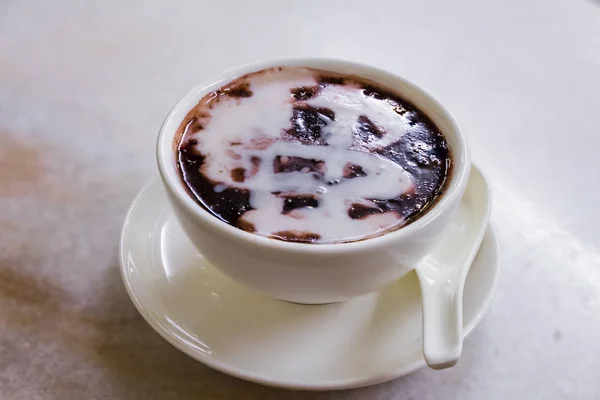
point(244, 374)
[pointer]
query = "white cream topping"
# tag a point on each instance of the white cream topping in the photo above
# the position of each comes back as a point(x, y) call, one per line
point(242, 129)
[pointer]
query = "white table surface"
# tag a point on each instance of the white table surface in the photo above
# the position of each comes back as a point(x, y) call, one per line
point(84, 88)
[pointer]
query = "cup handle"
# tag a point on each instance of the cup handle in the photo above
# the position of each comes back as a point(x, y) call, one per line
point(442, 317)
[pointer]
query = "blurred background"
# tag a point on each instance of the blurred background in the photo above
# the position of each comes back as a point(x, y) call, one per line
point(84, 87)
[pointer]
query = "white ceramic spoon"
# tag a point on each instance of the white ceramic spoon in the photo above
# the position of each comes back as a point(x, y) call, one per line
point(442, 283)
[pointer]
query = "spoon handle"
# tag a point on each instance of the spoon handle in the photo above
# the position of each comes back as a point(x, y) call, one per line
point(443, 273)
point(442, 320)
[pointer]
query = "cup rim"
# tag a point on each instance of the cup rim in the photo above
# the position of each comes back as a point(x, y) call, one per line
point(167, 163)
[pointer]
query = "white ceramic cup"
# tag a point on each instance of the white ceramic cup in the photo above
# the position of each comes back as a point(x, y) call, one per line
point(314, 273)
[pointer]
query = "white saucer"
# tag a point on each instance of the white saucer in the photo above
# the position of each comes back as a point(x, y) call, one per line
point(368, 340)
